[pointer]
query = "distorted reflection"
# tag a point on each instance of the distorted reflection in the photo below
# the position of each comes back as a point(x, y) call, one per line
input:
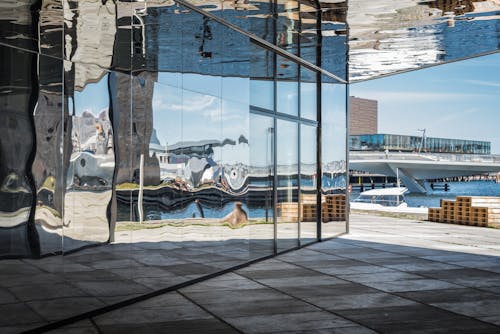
point(48, 170)
point(390, 36)
point(90, 169)
point(146, 145)
point(18, 234)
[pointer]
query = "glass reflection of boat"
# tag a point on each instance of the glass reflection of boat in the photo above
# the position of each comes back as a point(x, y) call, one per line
point(386, 199)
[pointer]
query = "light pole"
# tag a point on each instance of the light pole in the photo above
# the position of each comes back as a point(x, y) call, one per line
point(422, 142)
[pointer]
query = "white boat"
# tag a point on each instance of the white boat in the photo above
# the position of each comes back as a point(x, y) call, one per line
point(386, 199)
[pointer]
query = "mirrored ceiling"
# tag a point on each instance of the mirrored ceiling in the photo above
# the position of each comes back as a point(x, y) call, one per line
point(389, 36)
point(354, 40)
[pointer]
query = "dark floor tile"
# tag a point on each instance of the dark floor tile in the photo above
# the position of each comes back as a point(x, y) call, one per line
point(60, 308)
point(461, 273)
point(234, 296)
point(357, 301)
point(190, 269)
point(348, 289)
point(228, 281)
point(412, 285)
point(18, 314)
point(111, 288)
point(205, 326)
point(476, 309)
point(7, 297)
point(278, 273)
point(316, 281)
point(449, 295)
point(284, 305)
point(412, 318)
point(80, 327)
point(288, 322)
point(37, 291)
point(386, 276)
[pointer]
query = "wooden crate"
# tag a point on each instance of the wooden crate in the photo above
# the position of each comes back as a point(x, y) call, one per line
point(434, 214)
point(288, 211)
point(308, 212)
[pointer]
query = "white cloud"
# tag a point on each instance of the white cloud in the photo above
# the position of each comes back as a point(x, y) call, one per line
point(194, 104)
point(483, 83)
point(406, 97)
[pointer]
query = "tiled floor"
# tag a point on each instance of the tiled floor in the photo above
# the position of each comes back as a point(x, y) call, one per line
point(388, 275)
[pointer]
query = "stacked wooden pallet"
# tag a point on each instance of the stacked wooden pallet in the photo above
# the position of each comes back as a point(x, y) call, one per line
point(334, 208)
point(468, 210)
point(309, 212)
point(288, 211)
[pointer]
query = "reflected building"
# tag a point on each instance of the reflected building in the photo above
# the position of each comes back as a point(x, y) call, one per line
point(148, 144)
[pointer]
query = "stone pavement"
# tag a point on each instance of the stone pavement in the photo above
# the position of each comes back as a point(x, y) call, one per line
point(388, 275)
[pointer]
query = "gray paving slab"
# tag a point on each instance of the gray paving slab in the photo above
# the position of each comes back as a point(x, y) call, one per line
point(347, 269)
point(60, 308)
point(315, 281)
point(412, 285)
point(279, 273)
point(491, 319)
point(449, 295)
point(415, 318)
point(337, 330)
point(198, 326)
point(234, 296)
point(111, 288)
point(288, 322)
point(80, 327)
point(46, 291)
point(357, 301)
point(279, 305)
point(7, 297)
point(229, 281)
point(18, 314)
point(348, 289)
point(476, 309)
point(388, 275)
point(385, 276)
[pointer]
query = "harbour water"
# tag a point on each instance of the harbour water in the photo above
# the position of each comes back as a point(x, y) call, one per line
point(432, 197)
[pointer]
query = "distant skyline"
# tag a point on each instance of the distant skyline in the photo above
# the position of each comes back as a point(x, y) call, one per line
point(456, 100)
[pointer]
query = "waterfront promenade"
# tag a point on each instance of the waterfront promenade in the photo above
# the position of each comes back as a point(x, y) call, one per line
point(388, 275)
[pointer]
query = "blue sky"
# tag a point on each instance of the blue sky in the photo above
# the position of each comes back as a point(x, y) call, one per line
point(94, 97)
point(455, 100)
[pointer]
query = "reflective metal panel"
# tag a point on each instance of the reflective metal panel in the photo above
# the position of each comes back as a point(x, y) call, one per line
point(145, 145)
point(48, 165)
point(19, 93)
point(386, 37)
point(90, 159)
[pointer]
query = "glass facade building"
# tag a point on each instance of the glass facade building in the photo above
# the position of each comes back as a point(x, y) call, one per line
point(148, 144)
point(401, 143)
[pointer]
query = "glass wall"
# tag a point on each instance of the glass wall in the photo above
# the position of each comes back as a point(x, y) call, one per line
point(334, 155)
point(155, 147)
point(401, 143)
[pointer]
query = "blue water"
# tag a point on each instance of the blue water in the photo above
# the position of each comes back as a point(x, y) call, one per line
point(432, 198)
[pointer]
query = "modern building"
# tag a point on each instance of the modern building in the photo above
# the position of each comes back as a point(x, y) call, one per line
point(150, 144)
point(402, 143)
point(363, 116)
